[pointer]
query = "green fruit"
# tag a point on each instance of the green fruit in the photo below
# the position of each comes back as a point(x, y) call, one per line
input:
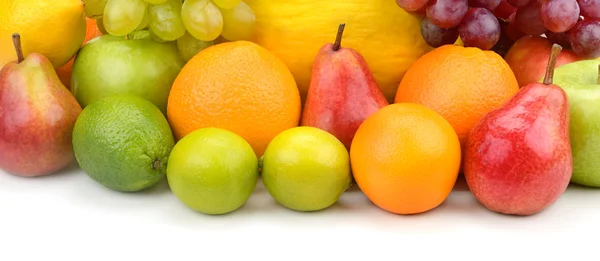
point(123, 142)
point(306, 169)
point(136, 65)
point(213, 171)
point(581, 83)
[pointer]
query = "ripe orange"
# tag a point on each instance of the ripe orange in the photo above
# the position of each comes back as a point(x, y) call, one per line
point(460, 83)
point(239, 86)
point(405, 158)
point(64, 72)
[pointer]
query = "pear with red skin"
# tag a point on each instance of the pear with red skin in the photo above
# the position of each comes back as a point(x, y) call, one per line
point(37, 115)
point(518, 158)
point(342, 91)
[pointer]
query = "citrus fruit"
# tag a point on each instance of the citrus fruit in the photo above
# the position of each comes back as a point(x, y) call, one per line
point(52, 28)
point(306, 169)
point(406, 158)
point(460, 83)
point(238, 86)
point(64, 72)
point(123, 142)
point(213, 171)
point(134, 64)
point(388, 37)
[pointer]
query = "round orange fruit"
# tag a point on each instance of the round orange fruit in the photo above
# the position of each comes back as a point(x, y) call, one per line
point(460, 83)
point(405, 158)
point(238, 86)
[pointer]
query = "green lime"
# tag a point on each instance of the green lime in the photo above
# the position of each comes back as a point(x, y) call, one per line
point(213, 171)
point(306, 169)
point(123, 142)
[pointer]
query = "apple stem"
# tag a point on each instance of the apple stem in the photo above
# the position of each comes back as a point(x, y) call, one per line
point(552, 64)
point(18, 48)
point(338, 39)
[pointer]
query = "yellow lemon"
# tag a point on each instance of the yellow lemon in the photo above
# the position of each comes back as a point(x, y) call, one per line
point(387, 36)
point(53, 28)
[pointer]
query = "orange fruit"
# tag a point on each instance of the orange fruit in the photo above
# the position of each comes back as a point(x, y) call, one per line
point(239, 86)
point(405, 158)
point(460, 83)
point(64, 72)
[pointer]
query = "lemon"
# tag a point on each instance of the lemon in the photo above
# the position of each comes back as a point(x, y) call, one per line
point(213, 171)
point(55, 29)
point(306, 169)
point(388, 37)
point(123, 142)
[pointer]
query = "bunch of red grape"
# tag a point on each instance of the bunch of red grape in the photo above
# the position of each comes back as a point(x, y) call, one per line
point(496, 24)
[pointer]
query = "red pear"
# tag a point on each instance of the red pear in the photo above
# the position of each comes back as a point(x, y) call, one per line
point(518, 158)
point(342, 91)
point(37, 115)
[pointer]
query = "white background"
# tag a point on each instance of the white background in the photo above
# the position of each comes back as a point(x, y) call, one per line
point(67, 216)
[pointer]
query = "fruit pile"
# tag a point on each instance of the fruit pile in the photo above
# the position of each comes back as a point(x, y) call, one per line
point(142, 90)
point(194, 24)
point(483, 23)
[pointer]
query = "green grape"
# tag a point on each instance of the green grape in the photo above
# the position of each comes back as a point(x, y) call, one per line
point(100, 24)
point(227, 4)
point(204, 24)
point(139, 34)
point(94, 8)
point(122, 17)
point(145, 21)
point(155, 38)
point(189, 46)
point(155, 2)
point(238, 23)
point(165, 20)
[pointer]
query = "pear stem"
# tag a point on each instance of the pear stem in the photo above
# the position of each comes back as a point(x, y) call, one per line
point(552, 64)
point(338, 39)
point(18, 48)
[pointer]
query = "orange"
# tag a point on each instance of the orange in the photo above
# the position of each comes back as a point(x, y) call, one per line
point(238, 86)
point(460, 83)
point(405, 158)
point(64, 72)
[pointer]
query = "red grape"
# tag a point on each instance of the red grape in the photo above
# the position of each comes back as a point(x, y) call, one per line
point(511, 29)
point(411, 5)
point(589, 8)
point(519, 3)
point(479, 28)
point(487, 4)
point(504, 10)
point(529, 19)
point(436, 36)
point(585, 38)
point(560, 15)
point(561, 39)
point(447, 13)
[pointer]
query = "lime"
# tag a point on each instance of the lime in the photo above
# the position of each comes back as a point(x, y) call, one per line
point(306, 169)
point(213, 171)
point(123, 142)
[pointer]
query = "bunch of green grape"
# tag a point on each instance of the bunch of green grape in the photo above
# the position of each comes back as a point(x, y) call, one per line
point(194, 24)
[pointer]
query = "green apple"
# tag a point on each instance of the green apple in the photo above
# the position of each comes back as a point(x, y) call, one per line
point(581, 83)
point(135, 65)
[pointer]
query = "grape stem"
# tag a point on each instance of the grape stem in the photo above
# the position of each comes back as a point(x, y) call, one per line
point(552, 64)
point(18, 48)
point(338, 39)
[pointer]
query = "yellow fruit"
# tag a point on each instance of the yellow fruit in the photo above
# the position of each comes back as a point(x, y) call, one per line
point(387, 36)
point(53, 28)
